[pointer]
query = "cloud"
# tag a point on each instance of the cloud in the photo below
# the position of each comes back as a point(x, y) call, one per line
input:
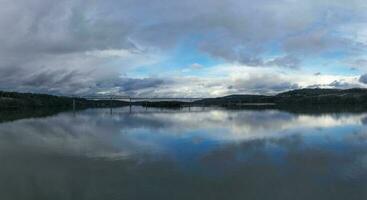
point(262, 84)
point(342, 84)
point(80, 46)
point(287, 61)
point(359, 63)
point(196, 66)
point(337, 84)
point(315, 42)
point(79, 25)
point(363, 79)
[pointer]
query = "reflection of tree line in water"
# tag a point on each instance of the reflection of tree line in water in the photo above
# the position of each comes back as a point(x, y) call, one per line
point(11, 115)
point(16, 114)
point(305, 109)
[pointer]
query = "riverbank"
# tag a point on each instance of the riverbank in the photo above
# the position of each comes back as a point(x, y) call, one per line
point(16, 101)
point(356, 97)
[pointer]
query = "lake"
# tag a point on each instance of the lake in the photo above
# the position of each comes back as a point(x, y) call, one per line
point(189, 154)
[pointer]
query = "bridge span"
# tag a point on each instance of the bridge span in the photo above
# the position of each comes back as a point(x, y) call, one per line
point(134, 99)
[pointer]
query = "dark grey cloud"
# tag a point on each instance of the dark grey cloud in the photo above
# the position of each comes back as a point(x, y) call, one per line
point(287, 61)
point(338, 84)
point(358, 63)
point(234, 26)
point(137, 84)
point(50, 78)
point(363, 78)
point(262, 84)
point(58, 27)
point(133, 86)
point(312, 42)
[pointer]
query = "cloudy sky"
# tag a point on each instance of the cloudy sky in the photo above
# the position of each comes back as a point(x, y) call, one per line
point(191, 48)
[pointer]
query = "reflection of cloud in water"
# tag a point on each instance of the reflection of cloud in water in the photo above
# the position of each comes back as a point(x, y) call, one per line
point(97, 133)
point(181, 155)
point(364, 120)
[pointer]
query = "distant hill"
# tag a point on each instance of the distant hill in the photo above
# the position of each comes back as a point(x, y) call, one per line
point(318, 92)
point(323, 96)
point(356, 96)
point(309, 92)
point(236, 99)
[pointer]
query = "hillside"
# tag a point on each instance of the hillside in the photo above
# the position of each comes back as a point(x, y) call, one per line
point(236, 99)
point(14, 100)
point(356, 96)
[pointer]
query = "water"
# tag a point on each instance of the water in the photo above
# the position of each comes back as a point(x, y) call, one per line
point(201, 154)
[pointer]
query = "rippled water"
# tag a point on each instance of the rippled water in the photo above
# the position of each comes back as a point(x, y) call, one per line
point(201, 153)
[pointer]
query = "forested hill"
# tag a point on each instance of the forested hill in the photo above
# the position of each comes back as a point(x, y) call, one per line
point(301, 97)
point(14, 100)
point(318, 92)
point(323, 96)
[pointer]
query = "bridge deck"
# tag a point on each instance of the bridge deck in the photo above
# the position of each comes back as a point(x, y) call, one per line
point(139, 98)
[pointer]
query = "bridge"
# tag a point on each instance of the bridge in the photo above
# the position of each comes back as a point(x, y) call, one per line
point(134, 99)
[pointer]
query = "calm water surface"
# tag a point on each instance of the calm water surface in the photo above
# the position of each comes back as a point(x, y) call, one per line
point(204, 154)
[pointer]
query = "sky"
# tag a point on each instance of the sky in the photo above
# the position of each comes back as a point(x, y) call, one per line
point(172, 48)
